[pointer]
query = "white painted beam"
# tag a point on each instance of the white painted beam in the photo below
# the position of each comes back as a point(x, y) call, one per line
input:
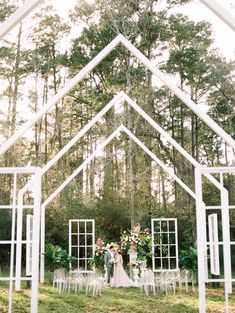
point(134, 105)
point(225, 15)
point(82, 132)
point(20, 202)
point(36, 240)
point(179, 93)
point(164, 78)
point(62, 92)
point(101, 148)
point(167, 169)
point(18, 16)
point(81, 167)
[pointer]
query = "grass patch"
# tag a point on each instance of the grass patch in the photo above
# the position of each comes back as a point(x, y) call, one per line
point(124, 300)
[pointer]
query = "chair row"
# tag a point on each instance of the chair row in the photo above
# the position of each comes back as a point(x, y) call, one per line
point(167, 280)
point(77, 281)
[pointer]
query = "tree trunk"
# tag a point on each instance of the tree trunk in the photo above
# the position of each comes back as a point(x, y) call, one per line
point(16, 81)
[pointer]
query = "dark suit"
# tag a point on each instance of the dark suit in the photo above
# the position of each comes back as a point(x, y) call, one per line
point(109, 266)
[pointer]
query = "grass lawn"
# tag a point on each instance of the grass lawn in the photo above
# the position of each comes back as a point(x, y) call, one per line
point(123, 300)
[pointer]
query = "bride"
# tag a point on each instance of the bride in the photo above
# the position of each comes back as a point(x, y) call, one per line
point(120, 277)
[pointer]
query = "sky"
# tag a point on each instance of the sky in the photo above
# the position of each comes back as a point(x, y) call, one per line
point(224, 36)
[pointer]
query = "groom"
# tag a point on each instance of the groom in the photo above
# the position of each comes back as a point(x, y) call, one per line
point(108, 262)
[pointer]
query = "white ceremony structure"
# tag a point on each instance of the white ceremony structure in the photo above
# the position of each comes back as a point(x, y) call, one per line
point(34, 174)
point(164, 244)
point(82, 243)
point(214, 244)
point(29, 244)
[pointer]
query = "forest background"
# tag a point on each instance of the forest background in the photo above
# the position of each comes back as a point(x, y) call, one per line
point(122, 186)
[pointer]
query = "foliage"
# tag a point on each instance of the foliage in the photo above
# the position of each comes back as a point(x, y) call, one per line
point(188, 259)
point(99, 257)
point(57, 258)
point(139, 242)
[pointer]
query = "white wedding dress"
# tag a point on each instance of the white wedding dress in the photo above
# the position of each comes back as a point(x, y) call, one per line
point(120, 277)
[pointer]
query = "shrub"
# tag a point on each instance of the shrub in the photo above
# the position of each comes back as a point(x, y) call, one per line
point(188, 259)
point(56, 258)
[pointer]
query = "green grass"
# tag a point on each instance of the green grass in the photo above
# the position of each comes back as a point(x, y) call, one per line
point(123, 300)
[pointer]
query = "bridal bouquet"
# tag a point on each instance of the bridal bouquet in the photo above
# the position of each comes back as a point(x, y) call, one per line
point(112, 261)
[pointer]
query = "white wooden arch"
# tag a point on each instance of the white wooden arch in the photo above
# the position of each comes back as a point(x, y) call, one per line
point(225, 16)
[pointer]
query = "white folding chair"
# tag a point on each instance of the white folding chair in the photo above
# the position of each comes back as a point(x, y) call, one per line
point(60, 280)
point(147, 282)
point(186, 277)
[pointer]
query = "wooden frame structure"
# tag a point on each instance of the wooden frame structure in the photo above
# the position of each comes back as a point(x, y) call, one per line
point(35, 183)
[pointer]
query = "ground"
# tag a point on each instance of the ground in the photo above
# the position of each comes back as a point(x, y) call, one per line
point(114, 301)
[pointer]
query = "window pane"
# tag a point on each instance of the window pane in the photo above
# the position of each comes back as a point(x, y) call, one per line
point(157, 263)
point(172, 263)
point(172, 251)
point(164, 226)
point(74, 240)
point(74, 227)
point(81, 252)
point(75, 252)
point(165, 263)
point(81, 240)
point(172, 226)
point(89, 227)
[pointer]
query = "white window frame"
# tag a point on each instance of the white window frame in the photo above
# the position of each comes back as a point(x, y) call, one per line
point(214, 244)
point(86, 246)
point(154, 221)
point(29, 244)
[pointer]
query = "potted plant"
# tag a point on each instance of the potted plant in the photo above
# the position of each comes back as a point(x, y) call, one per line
point(57, 258)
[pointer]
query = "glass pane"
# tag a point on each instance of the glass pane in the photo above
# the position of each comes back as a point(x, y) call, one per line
point(89, 252)
point(75, 252)
point(172, 238)
point(164, 226)
point(157, 251)
point(81, 265)
point(172, 251)
point(164, 251)
point(89, 240)
point(74, 240)
point(172, 226)
point(89, 227)
point(164, 238)
point(157, 238)
point(81, 228)
point(157, 227)
point(81, 240)
point(172, 263)
point(74, 227)
point(165, 263)
point(157, 263)
point(81, 252)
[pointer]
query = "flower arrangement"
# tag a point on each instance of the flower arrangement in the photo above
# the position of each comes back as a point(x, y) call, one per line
point(135, 263)
point(100, 250)
point(137, 240)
